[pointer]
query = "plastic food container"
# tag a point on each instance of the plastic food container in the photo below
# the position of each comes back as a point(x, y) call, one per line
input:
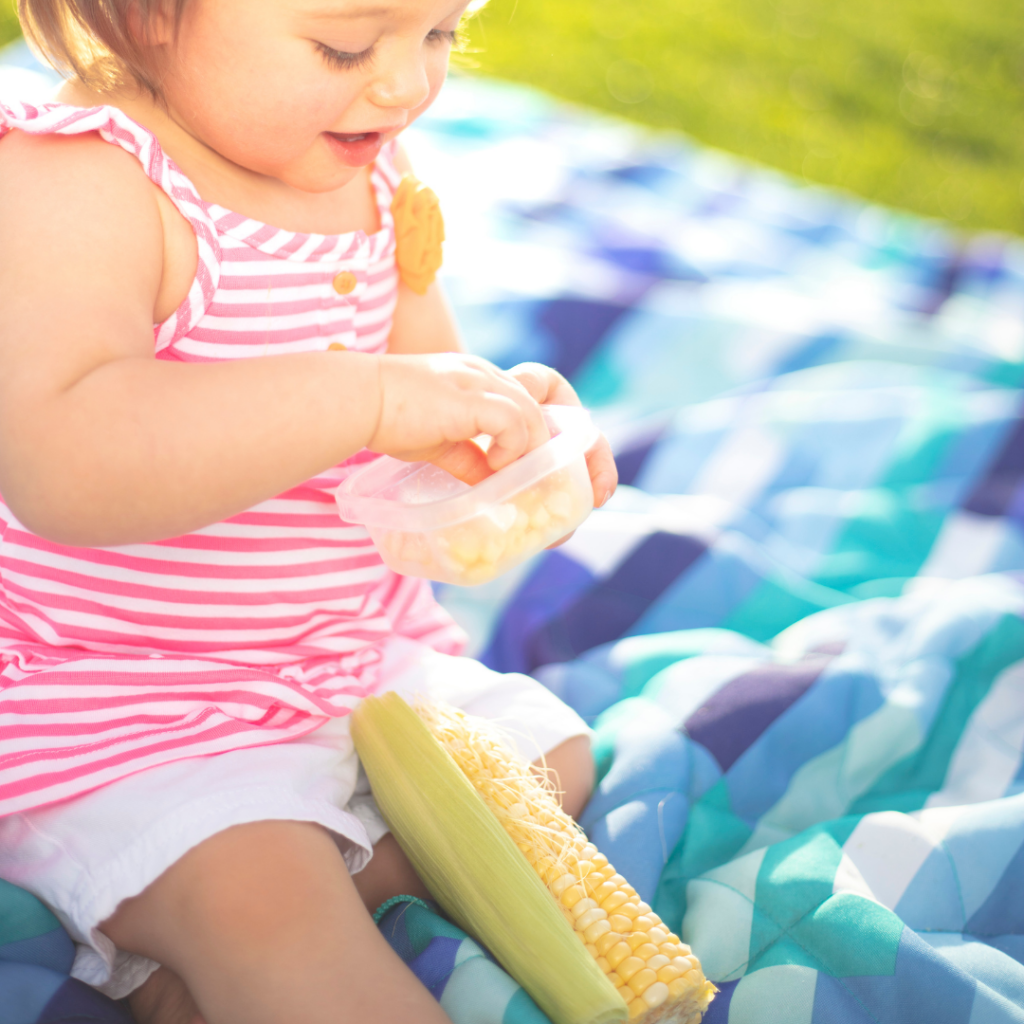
point(425, 522)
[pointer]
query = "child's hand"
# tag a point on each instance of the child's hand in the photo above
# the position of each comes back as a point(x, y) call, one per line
point(549, 387)
point(432, 405)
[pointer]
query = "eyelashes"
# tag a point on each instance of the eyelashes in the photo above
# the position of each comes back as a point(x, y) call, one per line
point(452, 37)
point(345, 61)
point(350, 61)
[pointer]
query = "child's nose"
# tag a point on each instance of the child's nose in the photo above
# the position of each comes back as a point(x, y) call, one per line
point(402, 82)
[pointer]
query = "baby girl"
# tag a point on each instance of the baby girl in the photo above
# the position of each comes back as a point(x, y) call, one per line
point(202, 330)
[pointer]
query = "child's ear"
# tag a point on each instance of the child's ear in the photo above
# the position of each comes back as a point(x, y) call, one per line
point(152, 24)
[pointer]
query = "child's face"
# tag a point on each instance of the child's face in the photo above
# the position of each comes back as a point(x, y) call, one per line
point(306, 91)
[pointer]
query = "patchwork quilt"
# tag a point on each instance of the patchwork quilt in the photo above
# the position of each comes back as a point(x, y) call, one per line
point(798, 628)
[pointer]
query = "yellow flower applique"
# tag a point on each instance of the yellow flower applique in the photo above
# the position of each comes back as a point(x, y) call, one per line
point(419, 232)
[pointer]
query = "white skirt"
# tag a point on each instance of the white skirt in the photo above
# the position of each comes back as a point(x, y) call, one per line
point(83, 856)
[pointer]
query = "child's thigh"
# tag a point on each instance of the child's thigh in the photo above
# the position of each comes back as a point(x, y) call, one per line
point(263, 923)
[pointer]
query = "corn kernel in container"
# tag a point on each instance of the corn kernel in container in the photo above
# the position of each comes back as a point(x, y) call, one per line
point(425, 522)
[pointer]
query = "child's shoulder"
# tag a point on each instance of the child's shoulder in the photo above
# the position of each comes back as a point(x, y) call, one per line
point(75, 193)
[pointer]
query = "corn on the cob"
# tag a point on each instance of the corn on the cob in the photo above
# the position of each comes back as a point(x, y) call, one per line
point(473, 868)
point(657, 975)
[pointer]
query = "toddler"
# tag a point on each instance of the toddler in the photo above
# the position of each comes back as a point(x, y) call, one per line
point(185, 622)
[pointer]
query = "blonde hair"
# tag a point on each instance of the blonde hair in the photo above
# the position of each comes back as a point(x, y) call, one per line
point(92, 39)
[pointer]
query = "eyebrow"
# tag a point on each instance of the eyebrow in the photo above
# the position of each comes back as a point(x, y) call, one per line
point(345, 11)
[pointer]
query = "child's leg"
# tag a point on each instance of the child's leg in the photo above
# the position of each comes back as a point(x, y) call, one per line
point(264, 925)
point(165, 1000)
point(572, 764)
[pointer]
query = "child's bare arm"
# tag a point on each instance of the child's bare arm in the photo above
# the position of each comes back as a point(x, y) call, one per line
point(423, 323)
point(102, 444)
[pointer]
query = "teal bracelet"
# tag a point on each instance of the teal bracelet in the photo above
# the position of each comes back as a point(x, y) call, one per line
point(394, 901)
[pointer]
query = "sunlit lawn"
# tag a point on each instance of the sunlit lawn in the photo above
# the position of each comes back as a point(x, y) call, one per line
point(8, 22)
point(914, 103)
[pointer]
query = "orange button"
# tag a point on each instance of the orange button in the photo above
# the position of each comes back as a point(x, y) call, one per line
point(336, 346)
point(345, 282)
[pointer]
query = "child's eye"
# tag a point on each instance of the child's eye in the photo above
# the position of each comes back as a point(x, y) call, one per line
point(345, 61)
point(438, 35)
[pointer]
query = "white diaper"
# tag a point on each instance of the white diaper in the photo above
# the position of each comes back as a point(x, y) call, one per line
point(82, 857)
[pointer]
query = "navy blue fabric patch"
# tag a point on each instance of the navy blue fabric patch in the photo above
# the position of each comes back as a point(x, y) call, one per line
point(552, 586)
point(736, 715)
point(718, 1011)
point(994, 492)
point(576, 326)
point(77, 1003)
point(435, 964)
point(614, 604)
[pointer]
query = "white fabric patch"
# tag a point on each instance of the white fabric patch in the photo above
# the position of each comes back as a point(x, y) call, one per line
point(886, 850)
point(988, 756)
point(723, 896)
point(967, 545)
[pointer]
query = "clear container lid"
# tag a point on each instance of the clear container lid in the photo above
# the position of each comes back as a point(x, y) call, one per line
point(397, 495)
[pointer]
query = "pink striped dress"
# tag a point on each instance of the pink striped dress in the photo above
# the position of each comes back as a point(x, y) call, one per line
point(254, 630)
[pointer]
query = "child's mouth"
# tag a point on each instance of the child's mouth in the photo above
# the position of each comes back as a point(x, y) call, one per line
point(357, 149)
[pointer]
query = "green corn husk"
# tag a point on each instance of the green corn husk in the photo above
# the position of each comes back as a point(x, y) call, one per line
point(472, 867)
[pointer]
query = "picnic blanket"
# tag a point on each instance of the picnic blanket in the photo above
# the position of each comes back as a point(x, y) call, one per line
point(798, 629)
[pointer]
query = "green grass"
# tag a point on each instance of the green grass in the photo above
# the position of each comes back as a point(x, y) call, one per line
point(912, 103)
point(8, 22)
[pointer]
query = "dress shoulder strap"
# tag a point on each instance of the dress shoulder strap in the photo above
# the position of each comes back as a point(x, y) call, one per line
point(115, 127)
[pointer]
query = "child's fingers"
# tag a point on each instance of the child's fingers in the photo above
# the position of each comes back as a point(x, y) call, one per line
point(545, 385)
point(604, 477)
point(515, 422)
point(465, 460)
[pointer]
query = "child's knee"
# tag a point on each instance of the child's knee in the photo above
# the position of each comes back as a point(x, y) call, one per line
point(246, 884)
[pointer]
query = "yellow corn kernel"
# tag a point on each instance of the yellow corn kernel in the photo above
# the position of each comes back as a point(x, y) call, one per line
point(655, 994)
point(614, 901)
point(588, 915)
point(642, 980)
point(629, 967)
point(637, 1007)
point(618, 953)
point(572, 896)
